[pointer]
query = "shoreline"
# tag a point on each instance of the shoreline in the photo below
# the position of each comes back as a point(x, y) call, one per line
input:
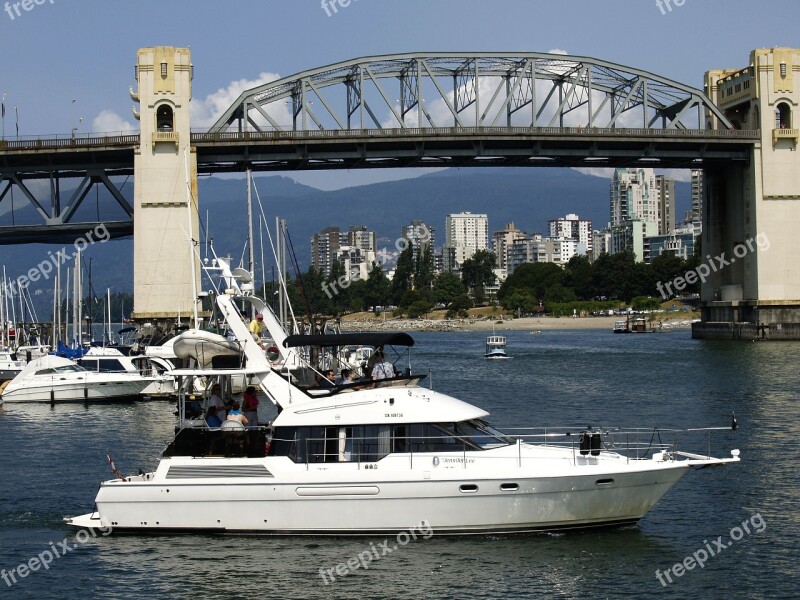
point(521, 324)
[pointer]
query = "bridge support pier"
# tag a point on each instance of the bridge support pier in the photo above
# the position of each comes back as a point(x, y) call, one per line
point(166, 272)
point(751, 212)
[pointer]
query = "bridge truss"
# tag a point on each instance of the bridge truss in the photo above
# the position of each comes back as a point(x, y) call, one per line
point(469, 90)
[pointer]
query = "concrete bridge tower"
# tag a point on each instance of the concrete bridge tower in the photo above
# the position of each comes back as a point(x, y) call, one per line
point(751, 212)
point(164, 214)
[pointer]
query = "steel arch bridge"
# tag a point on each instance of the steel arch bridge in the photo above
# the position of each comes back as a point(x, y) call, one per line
point(432, 90)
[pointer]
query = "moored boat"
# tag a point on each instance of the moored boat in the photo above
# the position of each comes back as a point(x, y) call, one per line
point(55, 379)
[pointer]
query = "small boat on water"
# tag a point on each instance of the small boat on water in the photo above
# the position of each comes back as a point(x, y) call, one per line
point(495, 347)
point(56, 379)
point(371, 457)
point(621, 327)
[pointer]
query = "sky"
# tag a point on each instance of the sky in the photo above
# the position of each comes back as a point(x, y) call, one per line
point(85, 50)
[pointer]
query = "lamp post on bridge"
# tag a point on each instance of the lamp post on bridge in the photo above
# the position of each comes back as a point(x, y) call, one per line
point(4, 115)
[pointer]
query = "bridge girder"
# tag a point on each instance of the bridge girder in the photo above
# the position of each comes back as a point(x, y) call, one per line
point(451, 89)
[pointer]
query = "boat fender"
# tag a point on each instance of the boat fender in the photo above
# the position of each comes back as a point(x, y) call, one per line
point(585, 441)
point(266, 448)
point(3, 387)
point(596, 443)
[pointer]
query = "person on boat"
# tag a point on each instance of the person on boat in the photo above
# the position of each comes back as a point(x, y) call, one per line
point(212, 420)
point(235, 414)
point(328, 379)
point(216, 402)
point(382, 369)
point(250, 405)
point(256, 326)
point(370, 364)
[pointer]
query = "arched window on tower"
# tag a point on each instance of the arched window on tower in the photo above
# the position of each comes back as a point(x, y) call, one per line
point(783, 116)
point(164, 118)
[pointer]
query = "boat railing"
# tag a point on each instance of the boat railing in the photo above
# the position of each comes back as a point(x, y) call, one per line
point(469, 450)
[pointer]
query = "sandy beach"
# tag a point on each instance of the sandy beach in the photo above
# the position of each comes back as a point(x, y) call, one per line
point(680, 320)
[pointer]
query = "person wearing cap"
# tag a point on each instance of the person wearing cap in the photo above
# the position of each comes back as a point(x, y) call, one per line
point(256, 325)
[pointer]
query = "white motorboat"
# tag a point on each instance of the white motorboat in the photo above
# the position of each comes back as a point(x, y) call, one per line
point(495, 347)
point(9, 366)
point(373, 457)
point(153, 370)
point(55, 379)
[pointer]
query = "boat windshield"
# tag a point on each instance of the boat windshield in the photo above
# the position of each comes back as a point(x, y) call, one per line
point(62, 369)
point(480, 434)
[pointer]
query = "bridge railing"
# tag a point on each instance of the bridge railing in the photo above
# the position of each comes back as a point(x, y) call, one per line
point(236, 136)
point(56, 142)
point(87, 141)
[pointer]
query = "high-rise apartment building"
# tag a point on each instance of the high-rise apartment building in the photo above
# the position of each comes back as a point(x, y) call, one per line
point(465, 234)
point(502, 242)
point(419, 235)
point(634, 210)
point(356, 246)
point(666, 204)
point(574, 228)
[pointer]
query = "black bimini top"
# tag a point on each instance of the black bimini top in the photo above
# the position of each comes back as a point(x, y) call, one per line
point(350, 339)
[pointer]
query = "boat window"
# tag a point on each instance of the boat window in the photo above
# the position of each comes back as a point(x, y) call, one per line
point(67, 369)
point(102, 365)
point(481, 434)
point(46, 372)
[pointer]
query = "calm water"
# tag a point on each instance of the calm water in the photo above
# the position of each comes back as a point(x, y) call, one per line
point(53, 459)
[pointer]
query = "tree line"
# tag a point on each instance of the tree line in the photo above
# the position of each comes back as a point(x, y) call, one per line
point(533, 287)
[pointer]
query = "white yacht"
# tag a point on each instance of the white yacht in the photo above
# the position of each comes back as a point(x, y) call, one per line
point(56, 379)
point(372, 457)
point(153, 370)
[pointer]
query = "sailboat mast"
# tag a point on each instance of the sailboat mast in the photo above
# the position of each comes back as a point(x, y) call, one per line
point(191, 240)
point(251, 267)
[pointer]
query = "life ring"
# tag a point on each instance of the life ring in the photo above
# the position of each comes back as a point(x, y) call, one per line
point(273, 353)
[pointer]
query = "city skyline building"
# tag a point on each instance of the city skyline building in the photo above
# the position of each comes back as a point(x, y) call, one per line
point(465, 234)
point(666, 204)
point(502, 241)
point(573, 227)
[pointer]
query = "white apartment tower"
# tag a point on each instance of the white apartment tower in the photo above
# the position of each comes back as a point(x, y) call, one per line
point(574, 228)
point(465, 234)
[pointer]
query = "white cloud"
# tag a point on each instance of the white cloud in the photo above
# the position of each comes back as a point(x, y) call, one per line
point(557, 51)
point(205, 112)
point(110, 122)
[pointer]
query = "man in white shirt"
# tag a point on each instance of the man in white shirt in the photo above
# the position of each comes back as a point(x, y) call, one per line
point(382, 369)
point(216, 401)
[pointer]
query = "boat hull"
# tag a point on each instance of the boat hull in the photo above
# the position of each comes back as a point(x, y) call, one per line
point(75, 392)
point(375, 507)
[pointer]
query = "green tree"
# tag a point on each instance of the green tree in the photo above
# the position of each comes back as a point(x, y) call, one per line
point(477, 272)
point(446, 288)
point(533, 278)
point(459, 307)
point(403, 275)
point(578, 273)
point(377, 288)
point(423, 269)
